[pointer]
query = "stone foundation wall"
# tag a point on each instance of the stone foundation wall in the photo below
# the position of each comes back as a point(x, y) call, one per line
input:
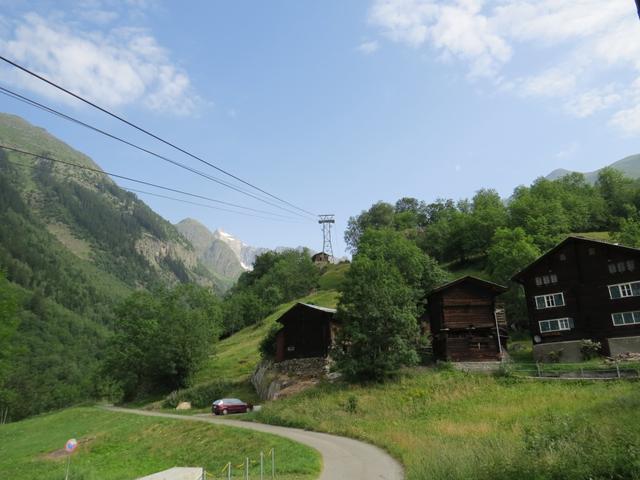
point(622, 345)
point(276, 380)
point(569, 352)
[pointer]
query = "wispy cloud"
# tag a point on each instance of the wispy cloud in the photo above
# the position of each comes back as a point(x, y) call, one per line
point(586, 53)
point(116, 66)
point(368, 47)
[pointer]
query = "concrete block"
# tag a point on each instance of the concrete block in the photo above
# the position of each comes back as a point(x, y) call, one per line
point(569, 351)
point(621, 345)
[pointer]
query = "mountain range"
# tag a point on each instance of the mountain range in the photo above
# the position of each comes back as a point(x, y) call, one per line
point(630, 166)
point(218, 251)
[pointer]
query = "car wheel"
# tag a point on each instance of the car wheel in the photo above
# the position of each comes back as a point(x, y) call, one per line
point(225, 411)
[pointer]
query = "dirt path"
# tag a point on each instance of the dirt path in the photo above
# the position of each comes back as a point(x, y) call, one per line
point(342, 458)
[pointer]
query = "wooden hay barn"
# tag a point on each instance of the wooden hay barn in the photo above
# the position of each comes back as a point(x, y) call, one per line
point(321, 258)
point(466, 322)
point(307, 331)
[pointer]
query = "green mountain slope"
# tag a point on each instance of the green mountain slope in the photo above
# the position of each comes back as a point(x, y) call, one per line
point(90, 216)
point(214, 254)
point(630, 166)
point(72, 245)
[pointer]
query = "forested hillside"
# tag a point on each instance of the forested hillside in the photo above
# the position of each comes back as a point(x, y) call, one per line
point(73, 245)
point(493, 237)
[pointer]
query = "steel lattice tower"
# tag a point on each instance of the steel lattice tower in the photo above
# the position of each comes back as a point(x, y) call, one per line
point(326, 221)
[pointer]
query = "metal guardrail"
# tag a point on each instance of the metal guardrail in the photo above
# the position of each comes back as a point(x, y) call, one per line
point(574, 370)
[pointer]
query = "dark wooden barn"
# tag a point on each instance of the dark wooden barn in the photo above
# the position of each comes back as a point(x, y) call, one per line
point(307, 331)
point(321, 258)
point(467, 325)
point(583, 289)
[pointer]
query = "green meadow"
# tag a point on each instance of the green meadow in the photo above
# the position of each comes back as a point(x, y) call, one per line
point(120, 446)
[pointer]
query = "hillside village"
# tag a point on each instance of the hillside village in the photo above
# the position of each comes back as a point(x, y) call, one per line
point(318, 241)
point(298, 327)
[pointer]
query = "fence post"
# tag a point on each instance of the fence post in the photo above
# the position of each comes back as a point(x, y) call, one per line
point(229, 472)
point(538, 367)
point(617, 369)
point(261, 465)
point(204, 474)
point(273, 463)
point(246, 469)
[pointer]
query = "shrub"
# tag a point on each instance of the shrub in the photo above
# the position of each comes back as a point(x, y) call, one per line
point(554, 356)
point(352, 404)
point(268, 343)
point(505, 370)
point(590, 349)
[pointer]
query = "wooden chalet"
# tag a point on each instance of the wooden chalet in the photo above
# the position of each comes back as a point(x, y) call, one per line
point(466, 322)
point(583, 289)
point(307, 331)
point(321, 258)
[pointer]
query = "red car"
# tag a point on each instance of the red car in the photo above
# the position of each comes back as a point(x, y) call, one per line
point(225, 406)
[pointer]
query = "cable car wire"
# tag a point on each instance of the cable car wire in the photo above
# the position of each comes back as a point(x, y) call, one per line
point(147, 132)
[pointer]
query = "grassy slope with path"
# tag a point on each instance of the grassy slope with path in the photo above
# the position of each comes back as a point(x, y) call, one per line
point(451, 425)
point(118, 446)
point(448, 425)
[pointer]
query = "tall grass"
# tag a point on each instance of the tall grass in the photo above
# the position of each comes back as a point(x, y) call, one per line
point(451, 425)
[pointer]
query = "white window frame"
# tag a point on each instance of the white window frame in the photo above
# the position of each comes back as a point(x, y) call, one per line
point(549, 300)
point(564, 324)
point(635, 317)
point(624, 289)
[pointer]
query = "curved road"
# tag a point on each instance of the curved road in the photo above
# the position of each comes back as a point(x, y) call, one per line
point(342, 458)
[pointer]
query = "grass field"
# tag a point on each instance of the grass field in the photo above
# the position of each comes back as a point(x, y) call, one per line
point(119, 446)
point(333, 276)
point(451, 425)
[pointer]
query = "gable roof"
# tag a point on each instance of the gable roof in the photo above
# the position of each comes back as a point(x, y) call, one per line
point(498, 289)
point(518, 277)
point(299, 305)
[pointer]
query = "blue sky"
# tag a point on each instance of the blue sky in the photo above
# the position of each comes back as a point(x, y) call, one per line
point(335, 105)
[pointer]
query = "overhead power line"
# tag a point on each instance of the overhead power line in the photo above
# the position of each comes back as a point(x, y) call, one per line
point(29, 101)
point(206, 206)
point(142, 182)
point(147, 132)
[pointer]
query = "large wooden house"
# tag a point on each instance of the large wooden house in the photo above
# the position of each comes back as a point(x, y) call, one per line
point(307, 331)
point(583, 289)
point(466, 322)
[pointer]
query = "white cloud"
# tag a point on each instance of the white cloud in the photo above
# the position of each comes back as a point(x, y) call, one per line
point(582, 51)
point(115, 68)
point(457, 29)
point(592, 101)
point(368, 47)
point(551, 83)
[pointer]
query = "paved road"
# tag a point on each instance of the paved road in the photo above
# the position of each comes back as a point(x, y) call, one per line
point(342, 458)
